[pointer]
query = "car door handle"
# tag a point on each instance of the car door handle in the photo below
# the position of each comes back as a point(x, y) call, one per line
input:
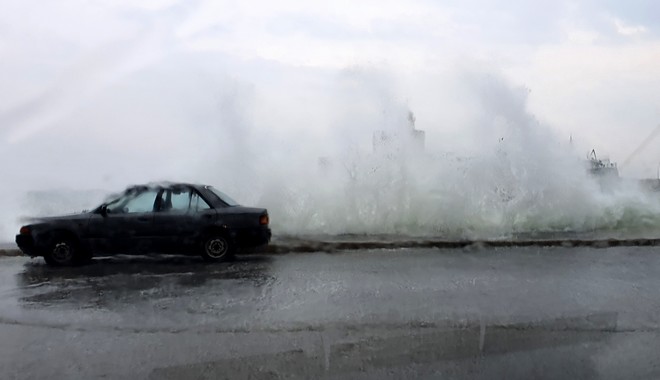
point(143, 219)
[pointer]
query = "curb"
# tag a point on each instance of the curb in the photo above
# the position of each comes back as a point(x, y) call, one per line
point(335, 246)
point(338, 246)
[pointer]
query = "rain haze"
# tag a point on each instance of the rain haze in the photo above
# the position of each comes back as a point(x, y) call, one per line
point(398, 189)
point(281, 104)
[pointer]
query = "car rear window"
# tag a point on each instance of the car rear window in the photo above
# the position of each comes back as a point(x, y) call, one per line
point(223, 197)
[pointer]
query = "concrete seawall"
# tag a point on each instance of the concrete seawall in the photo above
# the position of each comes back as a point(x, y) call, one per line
point(301, 245)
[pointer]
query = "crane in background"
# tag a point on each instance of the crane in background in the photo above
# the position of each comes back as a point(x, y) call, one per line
point(642, 146)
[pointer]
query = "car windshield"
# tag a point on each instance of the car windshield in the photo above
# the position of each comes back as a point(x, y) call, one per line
point(223, 197)
point(133, 201)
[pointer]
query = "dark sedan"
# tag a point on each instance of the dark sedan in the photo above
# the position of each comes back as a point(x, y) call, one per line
point(173, 218)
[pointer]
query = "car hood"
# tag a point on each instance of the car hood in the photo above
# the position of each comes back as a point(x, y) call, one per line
point(60, 218)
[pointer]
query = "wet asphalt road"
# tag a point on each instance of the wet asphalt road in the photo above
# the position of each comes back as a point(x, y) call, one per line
point(467, 313)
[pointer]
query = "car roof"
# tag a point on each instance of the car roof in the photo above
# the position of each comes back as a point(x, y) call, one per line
point(166, 185)
point(203, 190)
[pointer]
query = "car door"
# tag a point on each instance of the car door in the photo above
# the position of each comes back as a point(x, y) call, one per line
point(139, 221)
point(127, 226)
point(177, 221)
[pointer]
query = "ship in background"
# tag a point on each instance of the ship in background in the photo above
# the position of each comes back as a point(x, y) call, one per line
point(602, 167)
point(607, 172)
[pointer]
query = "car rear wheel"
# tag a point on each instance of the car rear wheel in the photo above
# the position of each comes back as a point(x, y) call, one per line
point(217, 247)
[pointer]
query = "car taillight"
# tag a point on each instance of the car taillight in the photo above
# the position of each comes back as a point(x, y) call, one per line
point(263, 219)
point(25, 230)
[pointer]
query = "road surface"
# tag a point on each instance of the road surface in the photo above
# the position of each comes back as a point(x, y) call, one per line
point(476, 313)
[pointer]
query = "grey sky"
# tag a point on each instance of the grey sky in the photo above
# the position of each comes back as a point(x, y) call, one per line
point(93, 93)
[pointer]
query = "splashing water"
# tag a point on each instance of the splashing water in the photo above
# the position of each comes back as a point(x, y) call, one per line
point(490, 196)
point(514, 179)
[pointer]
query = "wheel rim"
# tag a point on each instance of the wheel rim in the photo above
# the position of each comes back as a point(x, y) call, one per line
point(216, 247)
point(62, 252)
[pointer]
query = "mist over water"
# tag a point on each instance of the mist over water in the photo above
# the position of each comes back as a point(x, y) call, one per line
point(341, 153)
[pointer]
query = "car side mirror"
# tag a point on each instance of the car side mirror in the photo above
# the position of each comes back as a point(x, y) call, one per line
point(104, 210)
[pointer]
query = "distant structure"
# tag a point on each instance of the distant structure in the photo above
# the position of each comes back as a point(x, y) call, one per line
point(410, 139)
point(390, 143)
point(607, 174)
point(602, 168)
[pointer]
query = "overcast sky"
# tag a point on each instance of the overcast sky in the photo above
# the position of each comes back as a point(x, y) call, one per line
point(102, 93)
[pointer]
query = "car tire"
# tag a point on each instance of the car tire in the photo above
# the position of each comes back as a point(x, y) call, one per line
point(217, 248)
point(62, 251)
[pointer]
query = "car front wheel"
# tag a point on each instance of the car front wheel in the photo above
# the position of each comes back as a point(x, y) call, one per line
point(217, 248)
point(61, 252)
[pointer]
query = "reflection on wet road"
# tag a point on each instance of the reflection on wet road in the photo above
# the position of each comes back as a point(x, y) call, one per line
point(540, 312)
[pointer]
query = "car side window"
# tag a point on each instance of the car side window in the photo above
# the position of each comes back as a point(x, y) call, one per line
point(143, 202)
point(197, 203)
point(180, 200)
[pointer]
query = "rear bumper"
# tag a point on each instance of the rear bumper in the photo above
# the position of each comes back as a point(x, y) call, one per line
point(252, 237)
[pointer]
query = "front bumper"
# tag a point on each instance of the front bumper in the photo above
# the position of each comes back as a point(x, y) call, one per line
point(27, 245)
